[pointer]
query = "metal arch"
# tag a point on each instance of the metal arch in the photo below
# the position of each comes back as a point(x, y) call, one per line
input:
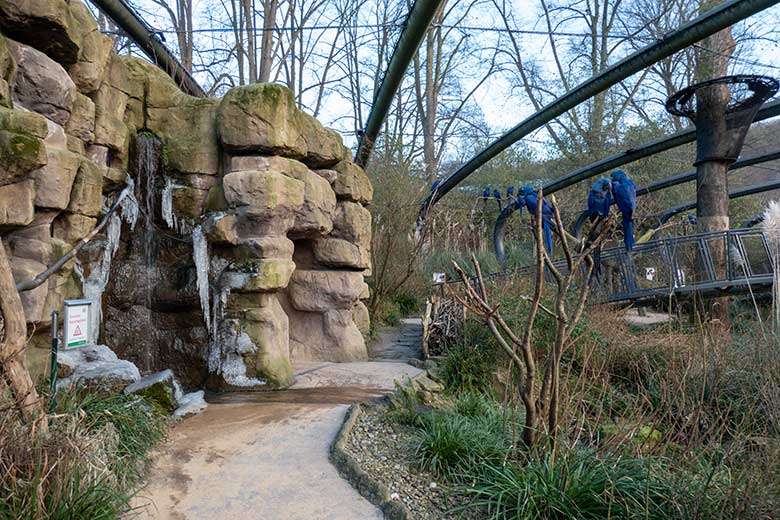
point(705, 25)
point(417, 22)
point(677, 139)
point(735, 194)
point(690, 175)
point(499, 229)
point(138, 30)
point(591, 170)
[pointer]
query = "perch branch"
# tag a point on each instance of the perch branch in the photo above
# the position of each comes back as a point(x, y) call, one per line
point(27, 285)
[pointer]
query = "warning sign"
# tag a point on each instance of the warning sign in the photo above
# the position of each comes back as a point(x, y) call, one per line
point(76, 333)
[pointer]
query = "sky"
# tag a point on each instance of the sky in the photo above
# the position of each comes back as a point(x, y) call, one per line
point(502, 106)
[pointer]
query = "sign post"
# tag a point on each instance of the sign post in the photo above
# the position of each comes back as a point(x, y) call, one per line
point(76, 331)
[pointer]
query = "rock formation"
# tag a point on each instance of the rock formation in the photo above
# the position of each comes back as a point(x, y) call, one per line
point(243, 244)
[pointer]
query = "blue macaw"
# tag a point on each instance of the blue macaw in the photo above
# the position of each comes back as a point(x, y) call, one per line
point(624, 193)
point(531, 201)
point(510, 192)
point(435, 185)
point(497, 196)
point(485, 197)
point(599, 202)
point(599, 199)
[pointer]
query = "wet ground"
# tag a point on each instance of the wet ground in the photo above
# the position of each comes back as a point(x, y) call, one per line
point(265, 455)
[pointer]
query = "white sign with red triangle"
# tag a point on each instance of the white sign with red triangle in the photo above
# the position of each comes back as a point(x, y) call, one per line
point(76, 326)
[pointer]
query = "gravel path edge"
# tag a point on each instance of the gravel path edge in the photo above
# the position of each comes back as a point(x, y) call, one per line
point(372, 490)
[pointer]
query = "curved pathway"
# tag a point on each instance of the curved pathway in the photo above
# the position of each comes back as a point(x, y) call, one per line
point(265, 455)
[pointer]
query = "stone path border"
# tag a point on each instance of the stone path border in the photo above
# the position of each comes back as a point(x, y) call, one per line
point(372, 490)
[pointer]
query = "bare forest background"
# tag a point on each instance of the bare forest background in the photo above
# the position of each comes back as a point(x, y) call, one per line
point(482, 67)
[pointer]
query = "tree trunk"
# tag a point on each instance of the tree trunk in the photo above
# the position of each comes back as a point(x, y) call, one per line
point(712, 197)
point(12, 360)
point(266, 45)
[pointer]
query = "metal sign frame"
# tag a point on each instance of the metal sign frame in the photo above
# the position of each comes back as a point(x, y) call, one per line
point(71, 307)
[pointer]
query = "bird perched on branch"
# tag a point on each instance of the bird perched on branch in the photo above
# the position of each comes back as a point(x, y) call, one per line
point(599, 199)
point(531, 200)
point(599, 202)
point(624, 193)
point(485, 197)
point(435, 185)
point(497, 196)
point(510, 192)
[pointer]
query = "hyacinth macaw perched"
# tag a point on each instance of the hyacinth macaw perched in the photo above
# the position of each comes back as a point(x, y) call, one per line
point(531, 198)
point(510, 192)
point(599, 202)
point(485, 197)
point(599, 199)
point(497, 196)
point(435, 185)
point(624, 193)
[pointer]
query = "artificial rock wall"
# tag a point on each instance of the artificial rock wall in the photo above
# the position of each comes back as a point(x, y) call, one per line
point(279, 277)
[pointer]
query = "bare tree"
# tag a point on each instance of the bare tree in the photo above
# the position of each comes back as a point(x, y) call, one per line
point(540, 397)
point(438, 68)
point(592, 126)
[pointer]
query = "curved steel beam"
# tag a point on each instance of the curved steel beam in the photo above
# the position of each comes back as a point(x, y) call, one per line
point(685, 136)
point(417, 22)
point(690, 175)
point(143, 36)
point(632, 154)
point(705, 25)
point(735, 194)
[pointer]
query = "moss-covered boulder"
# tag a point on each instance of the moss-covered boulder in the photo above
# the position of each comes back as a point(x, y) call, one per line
point(86, 196)
point(88, 71)
point(340, 253)
point(16, 204)
point(268, 327)
point(21, 154)
point(189, 133)
point(161, 389)
point(352, 183)
point(266, 275)
point(7, 69)
point(82, 119)
point(264, 194)
point(47, 25)
point(261, 117)
point(54, 181)
point(320, 291)
point(324, 146)
point(41, 84)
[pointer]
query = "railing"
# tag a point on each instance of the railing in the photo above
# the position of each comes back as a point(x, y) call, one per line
point(678, 265)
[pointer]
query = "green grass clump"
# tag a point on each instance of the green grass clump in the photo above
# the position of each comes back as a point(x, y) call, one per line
point(139, 424)
point(85, 466)
point(450, 444)
point(577, 484)
point(468, 366)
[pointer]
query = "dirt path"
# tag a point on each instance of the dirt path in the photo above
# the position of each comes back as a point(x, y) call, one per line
point(265, 455)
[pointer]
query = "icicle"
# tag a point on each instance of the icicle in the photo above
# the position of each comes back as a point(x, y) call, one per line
point(129, 204)
point(200, 253)
point(226, 356)
point(95, 284)
point(166, 204)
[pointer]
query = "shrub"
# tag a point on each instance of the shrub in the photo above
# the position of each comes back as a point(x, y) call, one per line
point(468, 365)
point(578, 484)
